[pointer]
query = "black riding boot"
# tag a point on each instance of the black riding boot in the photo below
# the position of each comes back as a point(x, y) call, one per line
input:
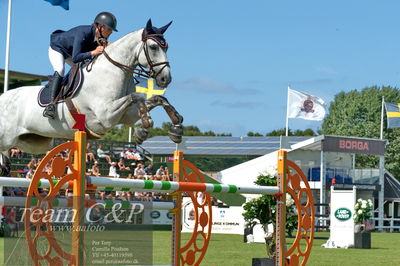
point(55, 86)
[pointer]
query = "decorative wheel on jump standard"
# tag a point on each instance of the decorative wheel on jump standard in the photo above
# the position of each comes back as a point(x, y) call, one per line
point(300, 250)
point(41, 240)
point(193, 252)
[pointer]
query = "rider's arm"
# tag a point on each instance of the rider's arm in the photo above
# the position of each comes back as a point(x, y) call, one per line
point(79, 43)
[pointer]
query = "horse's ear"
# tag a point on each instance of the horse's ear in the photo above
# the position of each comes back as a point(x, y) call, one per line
point(149, 25)
point(163, 29)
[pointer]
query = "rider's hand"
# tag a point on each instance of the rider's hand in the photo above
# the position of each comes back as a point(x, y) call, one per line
point(97, 51)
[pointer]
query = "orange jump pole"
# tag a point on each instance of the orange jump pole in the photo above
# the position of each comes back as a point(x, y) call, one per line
point(177, 218)
point(79, 198)
point(281, 209)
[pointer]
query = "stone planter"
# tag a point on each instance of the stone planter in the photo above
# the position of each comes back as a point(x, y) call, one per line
point(263, 262)
point(362, 240)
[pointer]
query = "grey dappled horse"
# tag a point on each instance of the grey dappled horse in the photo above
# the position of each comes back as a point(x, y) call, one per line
point(105, 97)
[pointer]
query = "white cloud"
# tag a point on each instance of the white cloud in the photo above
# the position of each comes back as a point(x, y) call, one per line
point(325, 69)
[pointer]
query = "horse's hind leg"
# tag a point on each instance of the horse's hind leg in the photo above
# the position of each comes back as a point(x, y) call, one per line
point(176, 131)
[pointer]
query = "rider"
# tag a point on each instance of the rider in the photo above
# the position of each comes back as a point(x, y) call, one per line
point(74, 46)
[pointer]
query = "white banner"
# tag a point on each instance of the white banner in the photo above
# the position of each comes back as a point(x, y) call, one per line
point(225, 220)
point(342, 223)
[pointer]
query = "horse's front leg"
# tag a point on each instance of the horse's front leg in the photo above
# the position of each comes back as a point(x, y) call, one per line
point(176, 131)
point(117, 109)
point(134, 109)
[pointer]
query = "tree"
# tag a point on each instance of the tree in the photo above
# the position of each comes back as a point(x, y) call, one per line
point(298, 132)
point(358, 113)
point(252, 134)
point(121, 132)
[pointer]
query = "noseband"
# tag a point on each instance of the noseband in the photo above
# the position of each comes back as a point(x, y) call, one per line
point(142, 71)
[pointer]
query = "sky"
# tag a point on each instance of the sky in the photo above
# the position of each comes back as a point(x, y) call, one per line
point(232, 61)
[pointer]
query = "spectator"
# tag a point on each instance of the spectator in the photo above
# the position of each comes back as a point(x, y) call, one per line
point(30, 173)
point(161, 174)
point(11, 220)
point(149, 171)
point(95, 169)
point(32, 164)
point(47, 168)
point(122, 154)
point(89, 154)
point(129, 154)
point(14, 152)
point(139, 171)
point(113, 170)
point(137, 156)
point(167, 176)
point(102, 154)
point(122, 166)
point(31, 168)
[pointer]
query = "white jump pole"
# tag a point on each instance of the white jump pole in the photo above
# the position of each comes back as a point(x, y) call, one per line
point(111, 184)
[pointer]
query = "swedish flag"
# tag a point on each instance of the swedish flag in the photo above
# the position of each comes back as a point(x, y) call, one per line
point(393, 114)
point(148, 88)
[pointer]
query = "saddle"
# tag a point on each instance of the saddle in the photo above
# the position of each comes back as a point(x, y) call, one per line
point(71, 83)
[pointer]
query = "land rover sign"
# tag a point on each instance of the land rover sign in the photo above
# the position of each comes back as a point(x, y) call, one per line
point(343, 214)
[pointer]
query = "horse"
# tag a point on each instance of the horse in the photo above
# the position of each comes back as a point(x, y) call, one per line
point(107, 98)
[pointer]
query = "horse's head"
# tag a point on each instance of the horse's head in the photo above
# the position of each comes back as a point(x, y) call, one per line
point(154, 54)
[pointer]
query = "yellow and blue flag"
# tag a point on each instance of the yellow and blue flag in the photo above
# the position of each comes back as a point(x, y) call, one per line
point(393, 114)
point(148, 87)
point(63, 3)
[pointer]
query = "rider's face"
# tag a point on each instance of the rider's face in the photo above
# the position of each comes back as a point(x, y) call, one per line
point(105, 31)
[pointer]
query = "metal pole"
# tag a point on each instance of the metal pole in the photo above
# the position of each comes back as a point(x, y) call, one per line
point(381, 196)
point(130, 134)
point(287, 113)
point(322, 195)
point(6, 65)
point(382, 110)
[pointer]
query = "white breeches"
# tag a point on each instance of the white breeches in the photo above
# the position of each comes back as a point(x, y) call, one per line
point(57, 61)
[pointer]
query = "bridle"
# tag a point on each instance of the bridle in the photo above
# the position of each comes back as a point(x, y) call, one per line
point(142, 71)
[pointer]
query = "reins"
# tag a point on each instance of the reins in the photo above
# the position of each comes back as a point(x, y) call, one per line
point(131, 70)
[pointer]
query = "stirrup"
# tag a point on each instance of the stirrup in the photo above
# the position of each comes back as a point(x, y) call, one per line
point(50, 111)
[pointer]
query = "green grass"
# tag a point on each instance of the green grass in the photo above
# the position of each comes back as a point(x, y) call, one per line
point(230, 250)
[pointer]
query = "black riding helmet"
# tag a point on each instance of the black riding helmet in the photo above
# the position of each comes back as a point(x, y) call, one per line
point(106, 19)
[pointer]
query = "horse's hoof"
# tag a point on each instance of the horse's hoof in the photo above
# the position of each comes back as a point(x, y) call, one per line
point(141, 134)
point(175, 133)
point(174, 138)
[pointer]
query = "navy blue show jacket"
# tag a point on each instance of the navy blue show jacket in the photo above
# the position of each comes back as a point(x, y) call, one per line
point(76, 43)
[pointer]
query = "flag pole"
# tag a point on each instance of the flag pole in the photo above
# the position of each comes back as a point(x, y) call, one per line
point(382, 110)
point(7, 63)
point(287, 113)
